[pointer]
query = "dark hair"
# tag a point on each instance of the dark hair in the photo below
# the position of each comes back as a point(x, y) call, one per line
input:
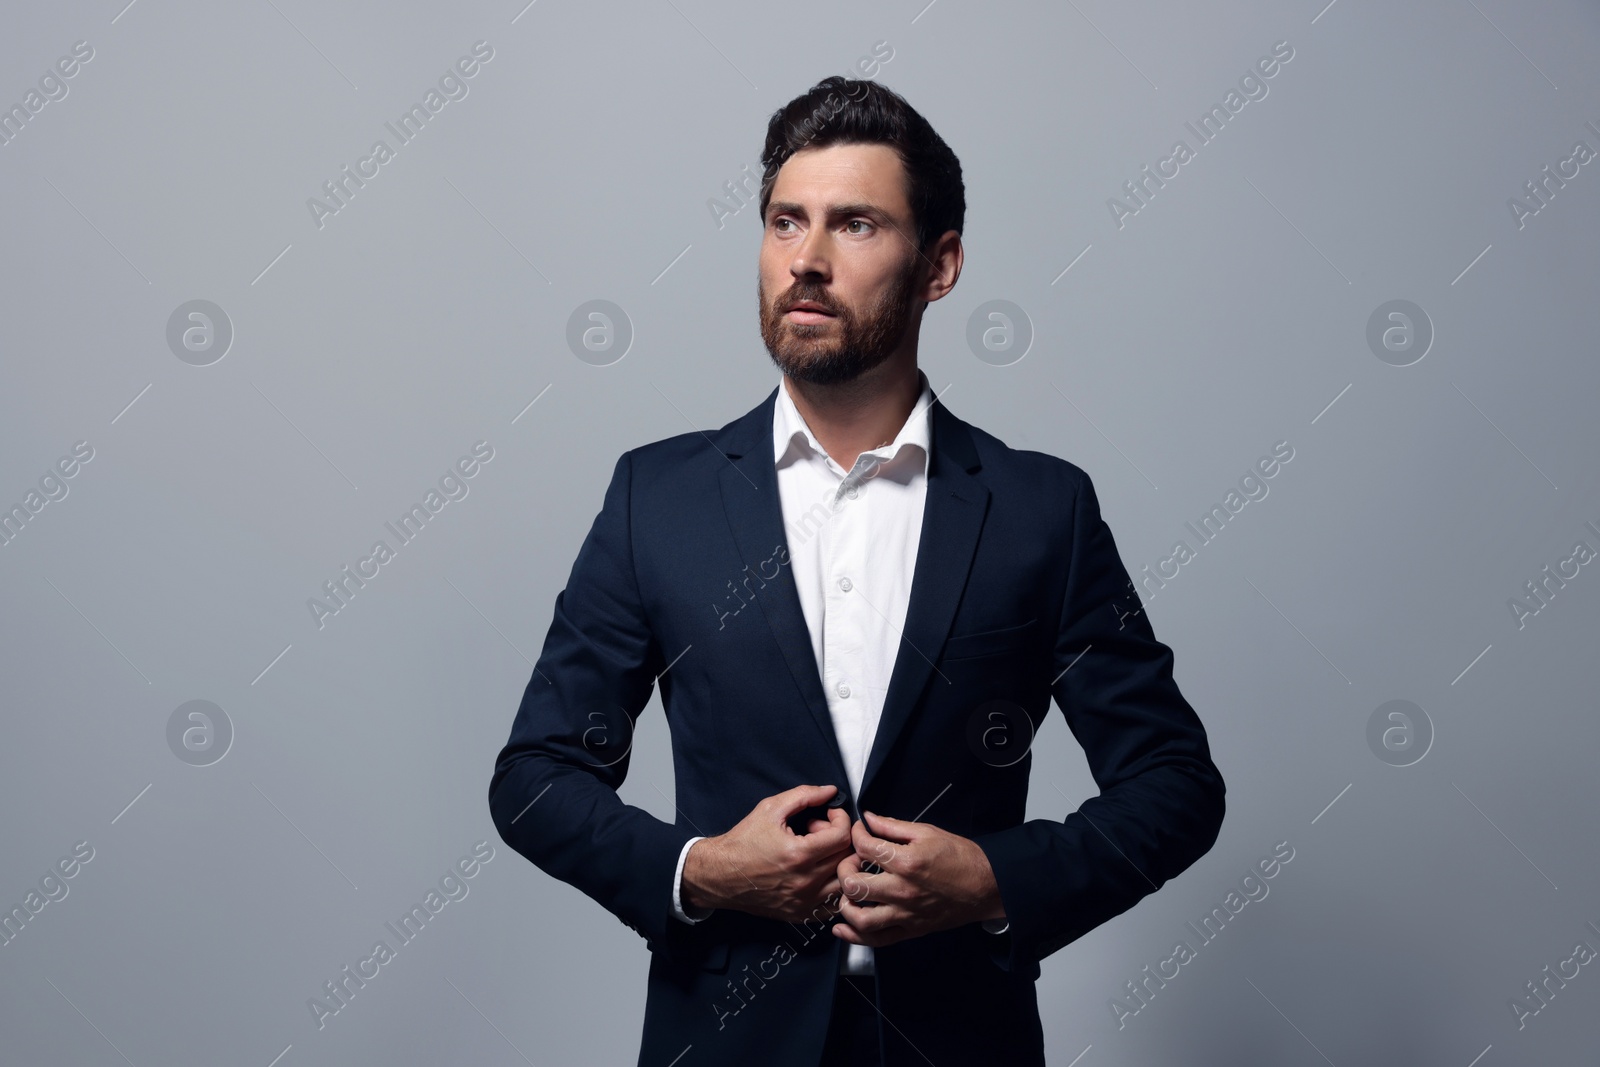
point(839, 110)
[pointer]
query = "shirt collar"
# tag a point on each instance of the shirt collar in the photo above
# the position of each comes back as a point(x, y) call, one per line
point(789, 427)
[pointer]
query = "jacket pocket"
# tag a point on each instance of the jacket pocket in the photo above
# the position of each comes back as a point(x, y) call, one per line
point(989, 642)
point(712, 956)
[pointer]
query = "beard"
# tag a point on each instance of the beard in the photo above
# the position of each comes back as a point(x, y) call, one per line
point(847, 345)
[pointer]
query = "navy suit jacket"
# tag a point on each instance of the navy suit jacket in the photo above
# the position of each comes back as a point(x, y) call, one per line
point(1018, 596)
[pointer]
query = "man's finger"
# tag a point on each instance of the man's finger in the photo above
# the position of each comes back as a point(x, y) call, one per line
point(844, 933)
point(872, 918)
point(883, 888)
point(854, 889)
point(799, 798)
point(873, 849)
point(889, 935)
point(873, 938)
point(825, 840)
point(900, 831)
point(851, 879)
point(839, 821)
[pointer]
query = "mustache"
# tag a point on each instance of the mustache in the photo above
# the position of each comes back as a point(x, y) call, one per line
point(796, 295)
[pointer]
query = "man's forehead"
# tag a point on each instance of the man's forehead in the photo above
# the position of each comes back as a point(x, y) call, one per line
point(841, 174)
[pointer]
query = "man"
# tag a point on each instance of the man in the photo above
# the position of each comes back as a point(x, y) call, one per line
point(894, 598)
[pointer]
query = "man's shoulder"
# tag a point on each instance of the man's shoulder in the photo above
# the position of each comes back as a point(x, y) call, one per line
point(692, 454)
point(671, 453)
point(683, 453)
point(1037, 470)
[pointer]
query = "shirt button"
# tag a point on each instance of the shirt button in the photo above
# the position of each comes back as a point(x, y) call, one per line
point(844, 583)
point(844, 690)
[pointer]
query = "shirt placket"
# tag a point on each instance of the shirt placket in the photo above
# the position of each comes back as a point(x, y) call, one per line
point(845, 589)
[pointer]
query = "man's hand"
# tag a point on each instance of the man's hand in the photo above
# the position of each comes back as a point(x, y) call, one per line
point(931, 880)
point(763, 867)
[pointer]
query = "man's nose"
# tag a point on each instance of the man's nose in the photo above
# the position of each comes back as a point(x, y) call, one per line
point(811, 258)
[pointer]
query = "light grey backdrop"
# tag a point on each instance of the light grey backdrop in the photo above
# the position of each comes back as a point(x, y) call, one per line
point(1169, 344)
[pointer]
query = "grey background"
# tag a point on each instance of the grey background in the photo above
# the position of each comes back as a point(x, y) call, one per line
point(368, 355)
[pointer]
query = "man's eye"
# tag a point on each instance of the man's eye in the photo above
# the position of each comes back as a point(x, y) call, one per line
point(778, 224)
point(858, 222)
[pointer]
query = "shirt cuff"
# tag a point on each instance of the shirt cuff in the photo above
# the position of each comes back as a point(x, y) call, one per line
point(699, 914)
point(1004, 925)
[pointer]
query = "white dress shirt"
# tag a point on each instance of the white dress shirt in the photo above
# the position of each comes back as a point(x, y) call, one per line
point(853, 538)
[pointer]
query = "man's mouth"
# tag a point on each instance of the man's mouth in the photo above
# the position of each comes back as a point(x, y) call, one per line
point(808, 311)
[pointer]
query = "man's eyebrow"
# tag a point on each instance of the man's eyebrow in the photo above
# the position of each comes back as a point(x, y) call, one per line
point(835, 211)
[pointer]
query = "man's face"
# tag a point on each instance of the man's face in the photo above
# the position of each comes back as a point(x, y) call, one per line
point(839, 235)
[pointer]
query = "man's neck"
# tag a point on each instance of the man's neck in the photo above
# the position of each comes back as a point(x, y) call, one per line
point(867, 412)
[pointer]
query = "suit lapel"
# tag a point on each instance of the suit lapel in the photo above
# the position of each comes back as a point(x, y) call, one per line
point(749, 483)
point(952, 518)
point(951, 521)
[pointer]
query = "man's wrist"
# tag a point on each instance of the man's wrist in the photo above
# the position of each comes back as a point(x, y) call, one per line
point(683, 908)
point(693, 893)
point(990, 909)
point(993, 909)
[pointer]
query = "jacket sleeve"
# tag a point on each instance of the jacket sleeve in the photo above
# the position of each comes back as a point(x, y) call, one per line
point(553, 796)
point(1160, 804)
